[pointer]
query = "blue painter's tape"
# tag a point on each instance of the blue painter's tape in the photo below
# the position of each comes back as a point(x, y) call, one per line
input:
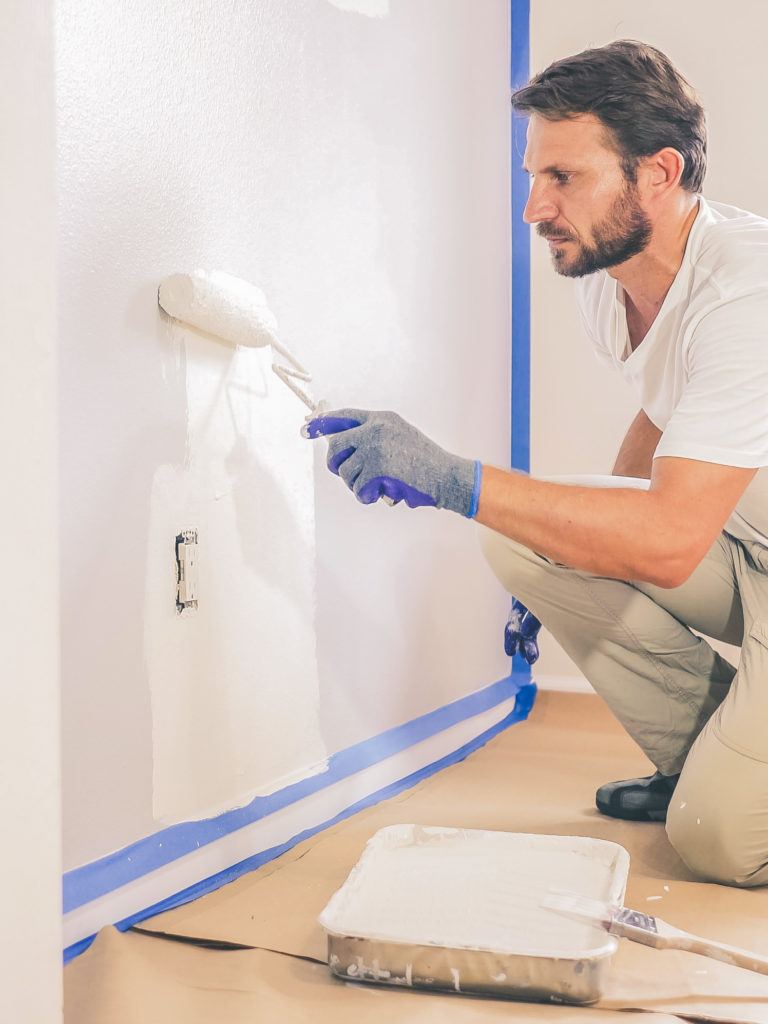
point(87, 883)
point(520, 666)
point(521, 249)
point(526, 696)
point(521, 265)
point(524, 701)
point(77, 948)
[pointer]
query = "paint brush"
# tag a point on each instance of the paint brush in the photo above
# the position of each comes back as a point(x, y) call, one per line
point(650, 931)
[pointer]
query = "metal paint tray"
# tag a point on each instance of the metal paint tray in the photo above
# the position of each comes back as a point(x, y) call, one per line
point(459, 910)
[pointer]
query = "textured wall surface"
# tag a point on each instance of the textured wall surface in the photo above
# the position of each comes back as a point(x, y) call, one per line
point(580, 410)
point(352, 159)
point(30, 853)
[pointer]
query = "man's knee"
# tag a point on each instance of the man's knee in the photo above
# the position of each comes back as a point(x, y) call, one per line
point(719, 845)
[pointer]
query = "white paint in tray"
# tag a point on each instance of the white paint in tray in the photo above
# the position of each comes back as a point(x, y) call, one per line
point(476, 889)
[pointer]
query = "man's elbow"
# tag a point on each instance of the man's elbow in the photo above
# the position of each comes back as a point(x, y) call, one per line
point(670, 572)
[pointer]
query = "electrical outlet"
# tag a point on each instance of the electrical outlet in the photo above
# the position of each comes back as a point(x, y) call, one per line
point(186, 570)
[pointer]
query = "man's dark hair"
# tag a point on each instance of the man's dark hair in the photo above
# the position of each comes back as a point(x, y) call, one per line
point(637, 93)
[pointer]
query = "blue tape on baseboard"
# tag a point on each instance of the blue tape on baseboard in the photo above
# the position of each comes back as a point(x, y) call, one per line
point(525, 697)
point(521, 249)
point(81, 885)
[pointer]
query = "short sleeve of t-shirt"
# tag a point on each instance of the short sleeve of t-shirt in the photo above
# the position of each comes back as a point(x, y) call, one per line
point(722, 414)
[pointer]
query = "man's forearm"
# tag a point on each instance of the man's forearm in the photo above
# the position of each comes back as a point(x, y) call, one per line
point(622, 533)
point(635, 456)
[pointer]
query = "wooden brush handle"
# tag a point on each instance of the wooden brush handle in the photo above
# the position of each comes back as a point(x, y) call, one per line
point(674, 938)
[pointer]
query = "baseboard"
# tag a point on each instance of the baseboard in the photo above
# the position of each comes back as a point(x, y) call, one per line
point(565, 684)
point(185, 861)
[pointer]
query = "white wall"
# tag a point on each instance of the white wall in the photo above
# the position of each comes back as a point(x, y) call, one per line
point(351, 158)
point(30, 852)
point(579, 409)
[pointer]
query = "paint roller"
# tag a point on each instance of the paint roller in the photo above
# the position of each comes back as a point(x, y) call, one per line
point(234, 311)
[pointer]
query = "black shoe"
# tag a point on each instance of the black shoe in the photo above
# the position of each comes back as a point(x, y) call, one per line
point(644, 799)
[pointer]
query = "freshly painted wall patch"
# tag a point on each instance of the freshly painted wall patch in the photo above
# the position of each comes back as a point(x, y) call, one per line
point(234, 686)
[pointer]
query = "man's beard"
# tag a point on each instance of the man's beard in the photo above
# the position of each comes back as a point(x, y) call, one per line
point(623, 233)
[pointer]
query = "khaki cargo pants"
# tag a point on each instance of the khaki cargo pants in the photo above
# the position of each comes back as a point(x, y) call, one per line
point(685, 705)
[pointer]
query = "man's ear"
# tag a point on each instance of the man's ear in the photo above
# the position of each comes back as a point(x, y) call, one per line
point(663, 170)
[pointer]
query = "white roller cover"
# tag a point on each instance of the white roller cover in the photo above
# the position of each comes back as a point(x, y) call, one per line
point(221, 304)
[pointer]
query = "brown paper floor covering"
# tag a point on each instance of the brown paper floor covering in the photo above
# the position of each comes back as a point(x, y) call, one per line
point(538, 776)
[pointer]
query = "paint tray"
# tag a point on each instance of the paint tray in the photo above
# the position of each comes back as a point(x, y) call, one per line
point(458, 910)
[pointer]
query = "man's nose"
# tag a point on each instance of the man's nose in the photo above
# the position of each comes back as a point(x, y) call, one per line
point(539, 206)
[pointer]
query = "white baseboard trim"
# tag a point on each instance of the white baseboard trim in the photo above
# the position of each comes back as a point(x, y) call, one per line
point(563, 684)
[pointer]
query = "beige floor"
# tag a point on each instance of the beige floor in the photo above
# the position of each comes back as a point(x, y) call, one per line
point(539, 776)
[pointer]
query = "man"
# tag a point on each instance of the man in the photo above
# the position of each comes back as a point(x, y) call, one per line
point(673, 292)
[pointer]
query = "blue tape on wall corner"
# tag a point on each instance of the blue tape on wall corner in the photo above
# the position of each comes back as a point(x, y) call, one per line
point(520, 441)
point(521, 249)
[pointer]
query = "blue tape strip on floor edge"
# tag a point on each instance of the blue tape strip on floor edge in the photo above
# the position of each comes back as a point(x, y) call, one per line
point(77, 948)
point(525, 698)
point(87, 883)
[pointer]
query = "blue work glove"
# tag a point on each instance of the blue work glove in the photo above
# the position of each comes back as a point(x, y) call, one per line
point(520, 633)
point(379, 455)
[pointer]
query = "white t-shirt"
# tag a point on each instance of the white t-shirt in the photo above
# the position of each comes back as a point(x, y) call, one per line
point(701, 372)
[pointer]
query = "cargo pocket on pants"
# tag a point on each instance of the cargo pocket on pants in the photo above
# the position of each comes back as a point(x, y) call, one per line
point(741, 721)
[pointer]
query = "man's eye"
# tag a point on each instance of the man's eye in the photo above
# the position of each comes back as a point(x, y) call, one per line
point(562, 179)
